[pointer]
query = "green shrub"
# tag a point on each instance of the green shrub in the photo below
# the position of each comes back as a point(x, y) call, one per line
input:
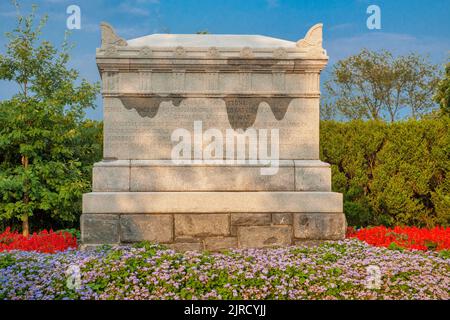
point(390, 174)
point(74, 232)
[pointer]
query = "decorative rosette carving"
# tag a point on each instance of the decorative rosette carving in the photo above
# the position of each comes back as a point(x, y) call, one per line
point(180, 52)
point(280, 53)
point(246, 52)
point(145, 52)
point(213, 52)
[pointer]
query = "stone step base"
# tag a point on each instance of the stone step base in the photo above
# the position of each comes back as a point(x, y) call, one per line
point(212, 220)
point(164, 175)
point(211, 202)
point(212, 232)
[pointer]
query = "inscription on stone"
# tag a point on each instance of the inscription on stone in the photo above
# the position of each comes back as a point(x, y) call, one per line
point(241, 111)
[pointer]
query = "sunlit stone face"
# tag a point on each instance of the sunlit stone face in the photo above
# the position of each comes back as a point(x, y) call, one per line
point(211, 142)
point(142, 129)
point(158, 83)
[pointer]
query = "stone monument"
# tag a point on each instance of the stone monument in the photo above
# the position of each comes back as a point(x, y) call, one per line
point(215, 92)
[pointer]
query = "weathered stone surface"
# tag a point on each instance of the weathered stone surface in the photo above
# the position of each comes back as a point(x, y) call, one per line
point(129, 135)
point(282, 218)
point(246, 88)
point(99, 228)
point(250, 219)
point(111, 176)
point(262, 85)
point(220, 243)
point(264, 236)
point(186, 246)
point(201, 47)
point(202, 224)
point(312, 178)
point(233, 230)
point(210, 40)
point(207, 202)
point(149, 227)
point(149, 175)
point(140, 128)
point(187, 239)
point(320, 226)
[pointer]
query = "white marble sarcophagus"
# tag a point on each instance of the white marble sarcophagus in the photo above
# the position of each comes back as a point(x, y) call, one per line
point(176, 110)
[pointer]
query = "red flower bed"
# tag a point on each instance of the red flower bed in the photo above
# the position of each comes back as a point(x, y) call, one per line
point(44, 241)
point(437, 238)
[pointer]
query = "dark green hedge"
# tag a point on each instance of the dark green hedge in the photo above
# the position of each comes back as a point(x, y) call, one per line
point(391, 174)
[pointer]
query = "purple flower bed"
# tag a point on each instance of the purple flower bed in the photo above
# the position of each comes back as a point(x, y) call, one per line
point(331, 271)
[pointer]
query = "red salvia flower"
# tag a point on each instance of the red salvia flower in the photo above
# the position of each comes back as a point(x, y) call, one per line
point(44, 241)
point(437, 238)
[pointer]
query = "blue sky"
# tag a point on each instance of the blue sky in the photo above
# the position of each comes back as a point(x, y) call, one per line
point(406, 25)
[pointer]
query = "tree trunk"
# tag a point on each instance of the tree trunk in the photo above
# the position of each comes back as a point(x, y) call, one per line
point(26, 199)
point(392, 114)
point(25, 226)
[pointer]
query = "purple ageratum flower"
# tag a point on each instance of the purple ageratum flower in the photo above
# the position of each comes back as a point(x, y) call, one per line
point(332, 271)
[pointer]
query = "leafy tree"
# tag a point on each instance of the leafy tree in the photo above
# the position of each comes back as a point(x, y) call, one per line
point(375, 85)
point(443, 92)
point(327, 110)
point(44, 141)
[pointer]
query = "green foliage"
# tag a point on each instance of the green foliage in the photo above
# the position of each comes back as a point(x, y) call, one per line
point(394, 246)
point(7, 260)
point(46, 146)
point(431, 245)
point(443, 92)
point(390, 174)
point(150, 247)
point(377, 85)
point(74, 232)
point(445, 254)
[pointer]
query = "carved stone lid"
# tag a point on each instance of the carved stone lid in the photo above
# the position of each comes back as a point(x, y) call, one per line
point(210, 40)
point(192, 51)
